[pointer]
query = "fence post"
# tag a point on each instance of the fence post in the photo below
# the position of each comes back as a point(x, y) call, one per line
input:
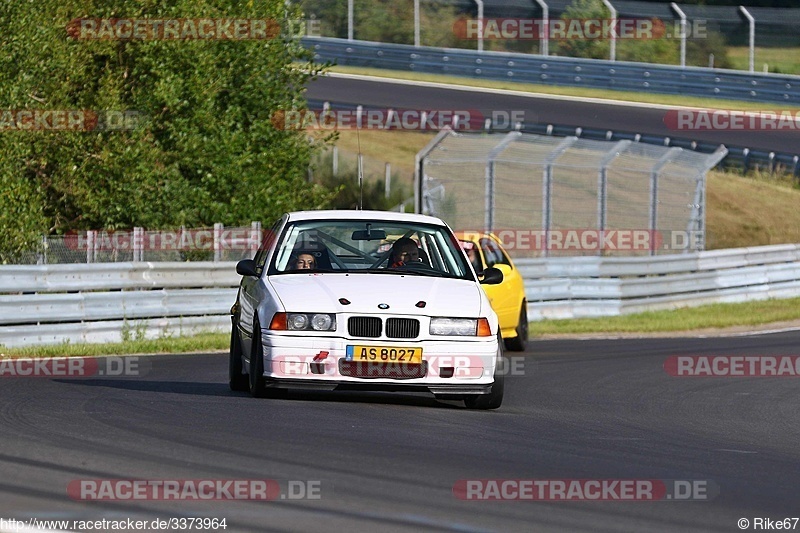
point(751, 36)
point(137, 244)
point(490, 177)
point(90, 238)
point(544, 38)
point(350, 20)
point(255, 237)
point(41, 257)
point(388, 180)
point(217, 241)
point(682, 15)
point(613, 48)
point(547, 188)
point(416, 23)
point(602, 187)
point(335, 159)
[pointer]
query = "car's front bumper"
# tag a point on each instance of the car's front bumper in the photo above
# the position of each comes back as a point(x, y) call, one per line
point(448, 366)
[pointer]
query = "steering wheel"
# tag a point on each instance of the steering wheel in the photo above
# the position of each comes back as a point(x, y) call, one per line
point(417, 266)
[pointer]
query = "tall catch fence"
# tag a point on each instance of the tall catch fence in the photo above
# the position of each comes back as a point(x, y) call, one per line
point(550, 196)
point(216, 244)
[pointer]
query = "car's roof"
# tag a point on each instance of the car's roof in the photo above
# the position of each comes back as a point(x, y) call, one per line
point(353, 214)
point(473, 236)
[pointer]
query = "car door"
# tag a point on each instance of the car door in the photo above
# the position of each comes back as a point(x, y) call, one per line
point(248, 291)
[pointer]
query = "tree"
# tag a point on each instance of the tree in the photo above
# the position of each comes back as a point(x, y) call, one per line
point(201, 146)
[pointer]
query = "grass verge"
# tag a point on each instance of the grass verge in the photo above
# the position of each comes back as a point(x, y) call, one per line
point(202, 342)
point(784, 60)
point(713, 316)
point(708, 317)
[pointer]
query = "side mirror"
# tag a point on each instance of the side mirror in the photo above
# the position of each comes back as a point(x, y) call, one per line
point(246, 267)
point(492, 276)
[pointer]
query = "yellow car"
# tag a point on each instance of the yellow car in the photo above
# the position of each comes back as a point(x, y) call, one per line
point(507, 298)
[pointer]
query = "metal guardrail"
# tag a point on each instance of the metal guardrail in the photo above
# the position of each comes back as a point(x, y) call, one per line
point(101, 302)
point(738, 156)
point(578, 287)
point(548, 70)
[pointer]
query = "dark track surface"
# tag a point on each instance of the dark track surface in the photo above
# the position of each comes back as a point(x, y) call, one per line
point(583, 409)
point(541, 109)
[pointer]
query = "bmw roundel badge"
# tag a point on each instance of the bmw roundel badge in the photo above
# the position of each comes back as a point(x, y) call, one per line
point(383, 306)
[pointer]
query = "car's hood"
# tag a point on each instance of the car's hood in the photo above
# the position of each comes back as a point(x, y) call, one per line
point(365, 292)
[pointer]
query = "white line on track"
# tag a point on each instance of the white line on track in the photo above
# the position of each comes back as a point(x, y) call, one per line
point(733, 451)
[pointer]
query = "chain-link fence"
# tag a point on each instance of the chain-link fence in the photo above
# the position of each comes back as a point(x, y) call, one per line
point(437, 23)
point(545, 195)
point(217, 243)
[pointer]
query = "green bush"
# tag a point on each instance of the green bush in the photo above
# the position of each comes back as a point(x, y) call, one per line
point(344, 186)
point(206, 149)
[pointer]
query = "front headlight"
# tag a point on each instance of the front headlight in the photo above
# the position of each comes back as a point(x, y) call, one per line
point(311, 321)
point(454, 326)
point(473, 327)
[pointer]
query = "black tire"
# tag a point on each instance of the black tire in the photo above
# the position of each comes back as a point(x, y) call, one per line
point(494, 399)
point(258, 387)
point(256, 376)
point(517, 344)
point(236, 379)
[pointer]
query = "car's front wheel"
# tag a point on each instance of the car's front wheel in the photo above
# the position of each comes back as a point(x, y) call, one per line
point(517, 344)
point(258, 387)
point(237, 379)
point(494, 399)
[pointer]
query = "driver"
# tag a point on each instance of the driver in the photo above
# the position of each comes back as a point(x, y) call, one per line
point(404, 251)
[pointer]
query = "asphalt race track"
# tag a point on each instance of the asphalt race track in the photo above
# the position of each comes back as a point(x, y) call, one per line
point(642, 118)
point(590, 409)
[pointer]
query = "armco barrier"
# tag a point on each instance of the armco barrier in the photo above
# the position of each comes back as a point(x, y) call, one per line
point(574, 287)
point(548, 70)
point(99, 302)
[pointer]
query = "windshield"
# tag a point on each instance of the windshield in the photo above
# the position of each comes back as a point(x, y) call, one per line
point(374, 246)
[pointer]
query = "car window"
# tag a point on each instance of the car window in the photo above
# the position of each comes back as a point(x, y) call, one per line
point(266, 244)
point(474, 255)
point(493, 254)
point(366, 246)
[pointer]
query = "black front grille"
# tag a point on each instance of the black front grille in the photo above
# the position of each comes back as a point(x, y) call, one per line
point(364, 326)
point(402, 328)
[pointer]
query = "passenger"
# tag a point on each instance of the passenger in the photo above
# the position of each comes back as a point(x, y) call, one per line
point(475, 259)
point(404, 251)
point(304, 261)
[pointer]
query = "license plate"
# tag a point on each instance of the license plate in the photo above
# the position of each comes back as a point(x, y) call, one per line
point(384, 354)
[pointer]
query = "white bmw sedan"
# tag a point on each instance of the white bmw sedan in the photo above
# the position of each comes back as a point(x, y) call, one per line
point(365, 300)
